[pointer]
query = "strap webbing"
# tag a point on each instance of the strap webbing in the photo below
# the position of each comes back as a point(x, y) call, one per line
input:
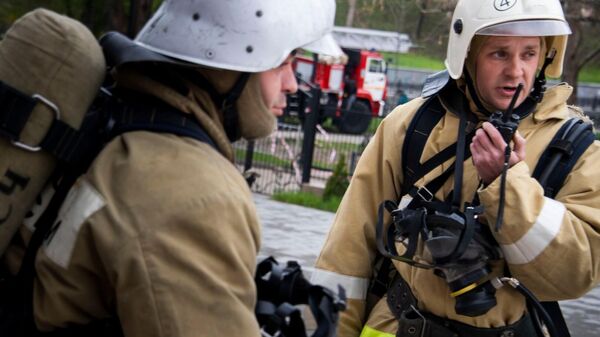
point(15, 109)
point(557, 161)
point(419, 129)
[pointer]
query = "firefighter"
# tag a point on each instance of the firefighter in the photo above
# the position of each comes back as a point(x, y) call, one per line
point(548, 244)
point(160, 236)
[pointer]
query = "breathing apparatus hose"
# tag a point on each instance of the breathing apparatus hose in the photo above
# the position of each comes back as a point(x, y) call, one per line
point(537, 305)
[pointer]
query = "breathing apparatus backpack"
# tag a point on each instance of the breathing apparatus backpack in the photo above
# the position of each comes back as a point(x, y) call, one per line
point(51, 68)
point(459, 246)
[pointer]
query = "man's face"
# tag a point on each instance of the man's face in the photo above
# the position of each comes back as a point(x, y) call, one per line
point(502, 64)
point(275, 84)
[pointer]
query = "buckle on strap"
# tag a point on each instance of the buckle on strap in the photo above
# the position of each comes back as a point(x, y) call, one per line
point(40, 99)
point(425, 194)
point(409, 323)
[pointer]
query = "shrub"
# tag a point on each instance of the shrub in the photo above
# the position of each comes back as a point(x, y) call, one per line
point(338, 182)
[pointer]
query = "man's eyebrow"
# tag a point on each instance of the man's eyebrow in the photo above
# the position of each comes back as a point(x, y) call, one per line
point(505, 46)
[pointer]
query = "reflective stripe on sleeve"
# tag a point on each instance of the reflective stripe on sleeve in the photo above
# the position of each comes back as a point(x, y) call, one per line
point(370, 332)
point(544, 230)
point(356, 287)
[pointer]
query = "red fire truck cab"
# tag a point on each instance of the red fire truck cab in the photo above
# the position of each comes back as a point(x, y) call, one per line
point(352, 93)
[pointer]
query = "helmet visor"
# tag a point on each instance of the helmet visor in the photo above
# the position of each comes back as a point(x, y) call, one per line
point(325, 46)
point(527, 28)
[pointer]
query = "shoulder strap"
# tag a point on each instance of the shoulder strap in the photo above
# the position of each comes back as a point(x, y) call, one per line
point(149, 114)
point(556, 162)
point(425, 119)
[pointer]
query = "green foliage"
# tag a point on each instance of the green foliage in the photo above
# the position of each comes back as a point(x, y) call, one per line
point(374, 125)
point(98, 15)
point(598, 136)
point(589, 74)
point(414, 60)
point(309, 200)
point(338, 182)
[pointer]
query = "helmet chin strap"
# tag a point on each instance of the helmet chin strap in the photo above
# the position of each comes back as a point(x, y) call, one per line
point(534, 97)
point(226, 102)
point(230, 113)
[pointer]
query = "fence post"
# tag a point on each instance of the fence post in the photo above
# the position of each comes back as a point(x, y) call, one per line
point(249, 155)
point(310, 127)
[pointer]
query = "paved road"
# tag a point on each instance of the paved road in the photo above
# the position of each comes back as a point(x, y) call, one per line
point(292, 232)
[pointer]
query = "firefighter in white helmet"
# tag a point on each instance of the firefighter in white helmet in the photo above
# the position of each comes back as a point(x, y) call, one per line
point(160, 236)
point(443, 284)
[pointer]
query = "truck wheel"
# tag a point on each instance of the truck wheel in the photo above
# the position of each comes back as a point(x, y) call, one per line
point(357, 119)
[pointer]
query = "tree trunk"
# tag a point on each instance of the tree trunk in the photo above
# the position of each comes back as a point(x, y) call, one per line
point(139, 13)
point(422, 15)
point(118, 18)
point(351, 12)
point(571, 64)
point(87, 14)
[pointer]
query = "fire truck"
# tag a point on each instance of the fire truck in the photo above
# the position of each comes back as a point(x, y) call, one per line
point(352, 92)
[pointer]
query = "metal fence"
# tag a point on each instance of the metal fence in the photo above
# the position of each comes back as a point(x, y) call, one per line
point(274, 160)
point(277, 161)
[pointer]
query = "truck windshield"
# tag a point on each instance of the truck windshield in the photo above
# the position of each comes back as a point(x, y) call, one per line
point(376, 66)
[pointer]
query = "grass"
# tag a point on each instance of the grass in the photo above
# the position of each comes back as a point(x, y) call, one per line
point(589, 73)
point(374, 125)
point(413, 61)
point(260, 157)
point(308, 199)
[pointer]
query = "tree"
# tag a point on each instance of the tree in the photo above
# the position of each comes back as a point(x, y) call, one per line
point(583, 46)
point(126, 16)
point(351, 13)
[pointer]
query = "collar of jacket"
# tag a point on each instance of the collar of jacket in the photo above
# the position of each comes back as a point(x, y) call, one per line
point(554, 104)
point(196, 102)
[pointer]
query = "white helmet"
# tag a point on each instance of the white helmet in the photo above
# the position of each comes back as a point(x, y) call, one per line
point(242, 35)
point(506, 18)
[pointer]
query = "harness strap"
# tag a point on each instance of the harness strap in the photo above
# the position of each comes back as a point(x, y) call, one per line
point(154, 116)
point(414, 322)
point(15, 111)
point(555, 163)
point(417, 134)
point(419, 129)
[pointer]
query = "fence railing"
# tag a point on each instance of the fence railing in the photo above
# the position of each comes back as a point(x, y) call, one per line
point(277, 161)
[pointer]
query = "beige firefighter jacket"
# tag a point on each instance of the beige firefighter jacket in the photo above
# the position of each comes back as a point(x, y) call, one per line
point(161, 232)
point(551, 246)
